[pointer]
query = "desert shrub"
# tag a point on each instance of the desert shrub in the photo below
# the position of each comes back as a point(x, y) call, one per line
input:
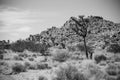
point(2, 51)
point(91, 69)
point(31, 59)
point(76, 57)
point(69, 73)
point(17, 68)
point(118, 77)
point(112, 69)
point(17, 58)
point(3, 63)
point(81, 47)
point(21, 45)
point(1, 56)
point(71, 48)
point(111, 78)
point(18, 46)
point(61, 55)
point(27, 65)
point(33, 66)
point(23, 55)
point(115, 48)
point(7, 77)
point(34, 55)
point(100, 75)
point(42, 78)
point(116, 58)
point(99, 58)
point(5, 68)
point(42, 66)
point(118, 70)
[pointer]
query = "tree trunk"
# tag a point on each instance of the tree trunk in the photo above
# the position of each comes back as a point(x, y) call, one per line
point(85, 47)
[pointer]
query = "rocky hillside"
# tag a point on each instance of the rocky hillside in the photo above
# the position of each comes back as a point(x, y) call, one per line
point(100, 32)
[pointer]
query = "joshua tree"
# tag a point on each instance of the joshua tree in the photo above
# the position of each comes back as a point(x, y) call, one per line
point(81, 29)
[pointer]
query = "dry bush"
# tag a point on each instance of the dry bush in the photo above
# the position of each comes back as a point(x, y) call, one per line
point(42, 66)
point(5, 68)
point(17, 57)
point(7, 77)
point(81, 47)
point(100, 75)
point(3, 63)
point(34, 55)
point(61, 55)
point(33, 67)
point(99, 58)
point(24, 55)
point(21, 45)
point(113, 69)
point(17, 68)
point(1, 56)
point(117, 58)
point(71, 48)
point(118, 70)
point(115, 48)
point(42, 78)
point(31, 59)
point(69, 73)
point(111, 78)
point(29, 65)
point(118, 77)
point(90, 69)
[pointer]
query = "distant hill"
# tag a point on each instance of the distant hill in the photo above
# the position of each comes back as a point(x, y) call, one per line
point(101, 32)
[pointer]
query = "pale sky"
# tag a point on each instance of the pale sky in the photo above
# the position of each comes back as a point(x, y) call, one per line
point(20, 18)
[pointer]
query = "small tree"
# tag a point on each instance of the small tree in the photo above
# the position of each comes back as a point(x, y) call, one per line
point(80, 28)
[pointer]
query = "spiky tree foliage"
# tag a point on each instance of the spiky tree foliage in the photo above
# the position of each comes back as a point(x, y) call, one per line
point(80, 28)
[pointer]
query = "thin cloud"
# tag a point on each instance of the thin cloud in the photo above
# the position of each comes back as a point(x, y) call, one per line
point(23, 29)
point(14, 22)
point(14, 17)
point(19, 23)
